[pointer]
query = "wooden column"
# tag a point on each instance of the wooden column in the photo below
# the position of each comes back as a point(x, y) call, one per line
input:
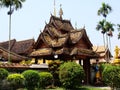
point(36, 60)
point(44, 60)
point(80, 61)
point(86, 67)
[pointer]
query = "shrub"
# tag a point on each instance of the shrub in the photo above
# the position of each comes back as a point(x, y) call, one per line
point(102, 66)
point(45, 79)
point(54, 70)
point(71, 75)
point(16, 80)
point(31, 79)
point(3, 73)
point(111, 76)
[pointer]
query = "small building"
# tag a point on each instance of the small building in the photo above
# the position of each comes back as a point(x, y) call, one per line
point(104, 54)
point(19, 50)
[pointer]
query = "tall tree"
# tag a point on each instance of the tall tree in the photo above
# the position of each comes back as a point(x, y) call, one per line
point(101, 27)
point(104, 11)
point(109, 27)
point(11, 4)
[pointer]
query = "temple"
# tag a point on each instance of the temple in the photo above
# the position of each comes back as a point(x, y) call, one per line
point(59, 40)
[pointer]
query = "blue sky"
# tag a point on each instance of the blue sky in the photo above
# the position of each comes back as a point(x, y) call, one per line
point(28, 21)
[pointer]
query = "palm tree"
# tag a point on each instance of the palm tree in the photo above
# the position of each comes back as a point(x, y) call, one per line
point(11, 4)
point(101, 26)
point(118, 30)
point(104, 10)
point(110, 29)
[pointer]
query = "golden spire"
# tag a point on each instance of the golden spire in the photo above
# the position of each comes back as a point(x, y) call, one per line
point(54, 9)
point(61, 11)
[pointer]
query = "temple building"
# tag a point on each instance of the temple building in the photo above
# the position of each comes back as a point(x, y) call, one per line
point(59, 40)
point(19, 50)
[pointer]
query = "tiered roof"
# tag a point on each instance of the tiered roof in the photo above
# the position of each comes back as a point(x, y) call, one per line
point(59, 37)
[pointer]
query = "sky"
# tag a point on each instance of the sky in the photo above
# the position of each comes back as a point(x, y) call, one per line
point(28, 21)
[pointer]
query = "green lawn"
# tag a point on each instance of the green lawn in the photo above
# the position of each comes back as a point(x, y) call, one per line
point(81, 88)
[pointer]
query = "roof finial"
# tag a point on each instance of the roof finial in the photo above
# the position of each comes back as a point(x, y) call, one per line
point(84, 27)
point(76, 25)
point(61, 11)
point(54, 9)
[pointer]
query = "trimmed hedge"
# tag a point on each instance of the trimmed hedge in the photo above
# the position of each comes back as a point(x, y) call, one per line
point(71, 75)
point(111, 76)
point(46, 79)
point(31, 79)
point(3, 73)
point(16, 80)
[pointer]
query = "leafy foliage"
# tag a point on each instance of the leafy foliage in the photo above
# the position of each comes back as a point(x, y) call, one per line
point(16, 3)
point(111, 76)
point(104, 10)
point(54, 70)
point(31, 79)
point(71, 75)
point(16, 80)
point(118, 25)
point(46, 79)
point(3, 73)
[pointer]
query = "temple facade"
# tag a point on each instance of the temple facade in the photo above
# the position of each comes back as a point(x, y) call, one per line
point(60, 40)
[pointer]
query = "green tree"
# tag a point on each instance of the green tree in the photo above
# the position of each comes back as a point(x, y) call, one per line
point(107, 27)
point(11, 4)
point(101, 26)
point(104, 10)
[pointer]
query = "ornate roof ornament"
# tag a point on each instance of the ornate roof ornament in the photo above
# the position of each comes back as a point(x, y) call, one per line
point(76, 25)
point(61, 12)
point(84, 27)
point(54, 9)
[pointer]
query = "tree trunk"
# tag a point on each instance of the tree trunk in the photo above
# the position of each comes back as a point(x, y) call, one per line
point(104, 40)
point(9, 59)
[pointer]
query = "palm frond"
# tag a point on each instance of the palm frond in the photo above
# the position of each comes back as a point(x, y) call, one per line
point(15, 3)
point(104, 10)
point(118, 25)
point(119, 36)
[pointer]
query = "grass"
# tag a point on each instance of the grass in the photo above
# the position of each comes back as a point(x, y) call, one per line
point(81, 88)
